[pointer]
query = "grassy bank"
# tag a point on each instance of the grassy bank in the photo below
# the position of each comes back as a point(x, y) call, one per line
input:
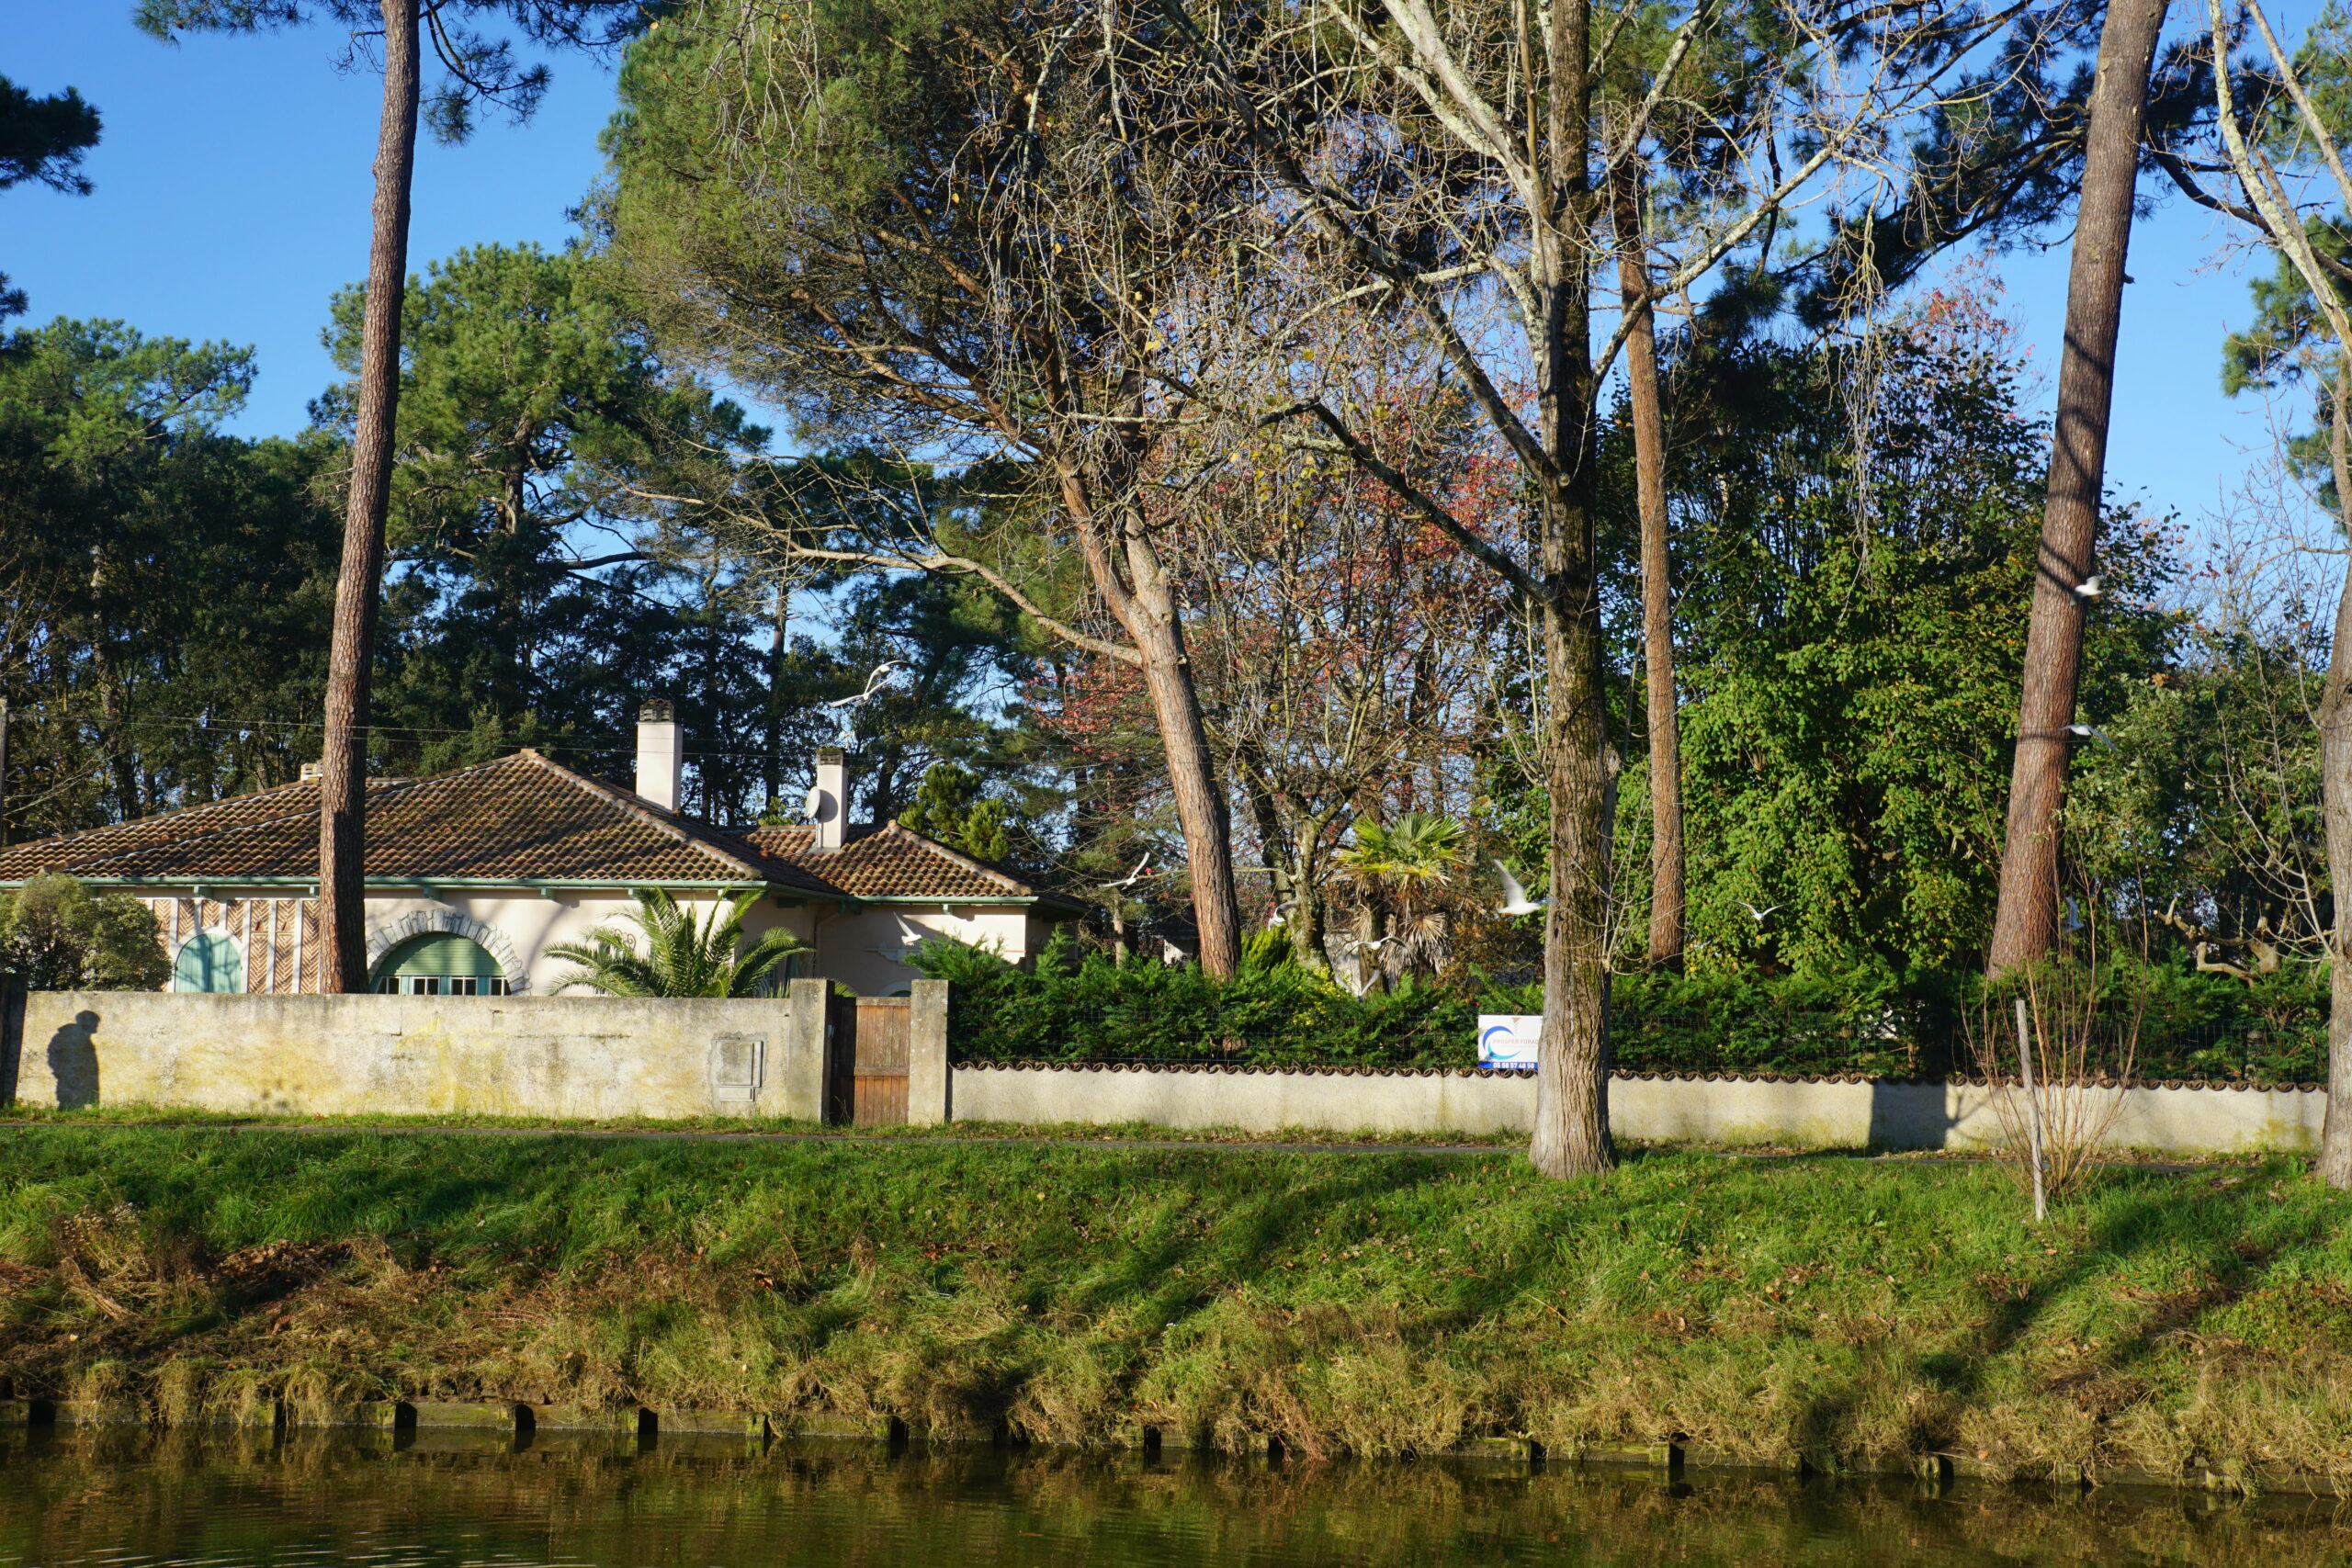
point(1845, 1311)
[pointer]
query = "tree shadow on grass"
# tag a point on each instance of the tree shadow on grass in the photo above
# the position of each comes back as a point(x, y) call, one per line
point(1251, 1247)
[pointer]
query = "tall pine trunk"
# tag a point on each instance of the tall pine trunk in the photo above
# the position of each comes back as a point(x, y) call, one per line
point(2026, 923)
point(1666, 918)
point(343, 781)
point(1571, 1135)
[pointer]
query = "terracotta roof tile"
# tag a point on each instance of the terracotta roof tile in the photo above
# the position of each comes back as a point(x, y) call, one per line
point(891, 862)
point(522, 818)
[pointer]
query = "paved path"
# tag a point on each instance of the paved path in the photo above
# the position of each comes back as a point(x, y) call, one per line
point(1037, 1140)
point(692, 1135)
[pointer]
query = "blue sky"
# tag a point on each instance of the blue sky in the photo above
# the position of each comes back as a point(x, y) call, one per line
point(234, 184)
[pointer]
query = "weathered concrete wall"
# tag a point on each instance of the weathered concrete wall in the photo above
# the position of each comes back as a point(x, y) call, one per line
point(1256, 1101)
point(335, 1055)
point(930, 1076)
point(600, 1057)
point(1806, 1113)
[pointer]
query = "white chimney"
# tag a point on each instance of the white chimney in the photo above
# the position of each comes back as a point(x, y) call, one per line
point(829, 802)
point(658, 759)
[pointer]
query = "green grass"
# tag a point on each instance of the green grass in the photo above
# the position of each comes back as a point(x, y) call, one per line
point(1845, 1311)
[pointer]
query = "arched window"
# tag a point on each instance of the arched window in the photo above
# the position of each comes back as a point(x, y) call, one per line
point(208, 960)
point(440, 963)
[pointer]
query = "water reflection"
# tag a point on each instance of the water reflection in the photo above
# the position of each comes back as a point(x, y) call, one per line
point(131, 1499)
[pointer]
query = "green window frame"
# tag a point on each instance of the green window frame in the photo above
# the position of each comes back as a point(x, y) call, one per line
point(208, 963)
point(441, 964)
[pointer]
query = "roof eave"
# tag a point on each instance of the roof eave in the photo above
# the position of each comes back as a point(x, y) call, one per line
point(428, 884)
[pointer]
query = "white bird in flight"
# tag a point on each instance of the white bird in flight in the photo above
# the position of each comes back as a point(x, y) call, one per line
point(1515, 899)
point(849, 705)
point(1134, 877)
point(2090, 732)
point(872, 682)
point(1755, 914)
point(2091, 587)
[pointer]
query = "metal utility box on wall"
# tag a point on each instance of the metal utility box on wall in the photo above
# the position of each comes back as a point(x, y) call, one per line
point(735, 1064)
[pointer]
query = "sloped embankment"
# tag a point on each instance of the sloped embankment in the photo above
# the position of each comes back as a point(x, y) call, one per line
point(1841, 1312)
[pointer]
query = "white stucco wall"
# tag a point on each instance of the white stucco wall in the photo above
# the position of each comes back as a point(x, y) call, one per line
point(530, 924)
point(1733, 1112)
point(861, 948)
point(516, 927)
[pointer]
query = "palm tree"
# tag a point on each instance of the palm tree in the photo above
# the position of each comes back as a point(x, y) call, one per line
point(682, 957)
point(1398, 866)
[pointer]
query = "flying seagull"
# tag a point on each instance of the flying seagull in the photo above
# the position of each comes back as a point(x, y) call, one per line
point(2090, 732)
point(1134, 877)
point(2091, 587)
point(849, 705)
point(1515, 899)
point(1755, 914)
point(872, 682)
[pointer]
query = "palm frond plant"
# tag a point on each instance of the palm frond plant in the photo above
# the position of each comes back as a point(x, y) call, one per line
point(671, 954)
point(1398, 867)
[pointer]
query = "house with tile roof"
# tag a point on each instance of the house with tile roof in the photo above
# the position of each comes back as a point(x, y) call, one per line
point(472, 875)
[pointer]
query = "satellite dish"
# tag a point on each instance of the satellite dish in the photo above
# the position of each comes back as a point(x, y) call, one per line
point(813, 807)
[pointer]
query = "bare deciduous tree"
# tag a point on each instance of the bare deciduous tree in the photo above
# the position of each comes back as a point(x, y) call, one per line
point(2279, 218)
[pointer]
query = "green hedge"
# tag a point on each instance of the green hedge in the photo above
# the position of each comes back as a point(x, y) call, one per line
point(1070, 1008)
point(1083, 1007)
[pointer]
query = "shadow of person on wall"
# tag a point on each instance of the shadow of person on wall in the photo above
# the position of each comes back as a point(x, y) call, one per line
point(73, 1062)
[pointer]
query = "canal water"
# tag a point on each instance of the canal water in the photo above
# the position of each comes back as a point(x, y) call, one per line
point(128, 1500)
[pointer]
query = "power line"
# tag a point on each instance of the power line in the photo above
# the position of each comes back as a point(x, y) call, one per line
point(199, 722)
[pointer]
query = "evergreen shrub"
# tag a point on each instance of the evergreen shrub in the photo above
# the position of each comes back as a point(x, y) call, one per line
point(1075, 1006)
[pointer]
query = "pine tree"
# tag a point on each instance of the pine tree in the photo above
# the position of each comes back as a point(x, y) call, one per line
point(477, 69)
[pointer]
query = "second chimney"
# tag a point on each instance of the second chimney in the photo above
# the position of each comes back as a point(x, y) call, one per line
point(660, 761)
point(829, 802)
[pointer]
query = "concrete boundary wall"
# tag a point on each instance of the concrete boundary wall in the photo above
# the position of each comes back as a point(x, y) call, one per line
point(600, 1059)
point(588, 1057)
point(1735, 1111)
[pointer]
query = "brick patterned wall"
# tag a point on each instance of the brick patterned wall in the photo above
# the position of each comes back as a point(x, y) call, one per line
point(279, 938)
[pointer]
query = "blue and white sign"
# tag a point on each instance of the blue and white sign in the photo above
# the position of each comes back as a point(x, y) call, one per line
point(1507, 1040)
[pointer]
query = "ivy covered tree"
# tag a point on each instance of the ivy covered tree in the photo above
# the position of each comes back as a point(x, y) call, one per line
point(1850, 593)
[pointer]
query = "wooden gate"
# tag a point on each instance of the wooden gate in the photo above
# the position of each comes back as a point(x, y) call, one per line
point(869, 1087)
